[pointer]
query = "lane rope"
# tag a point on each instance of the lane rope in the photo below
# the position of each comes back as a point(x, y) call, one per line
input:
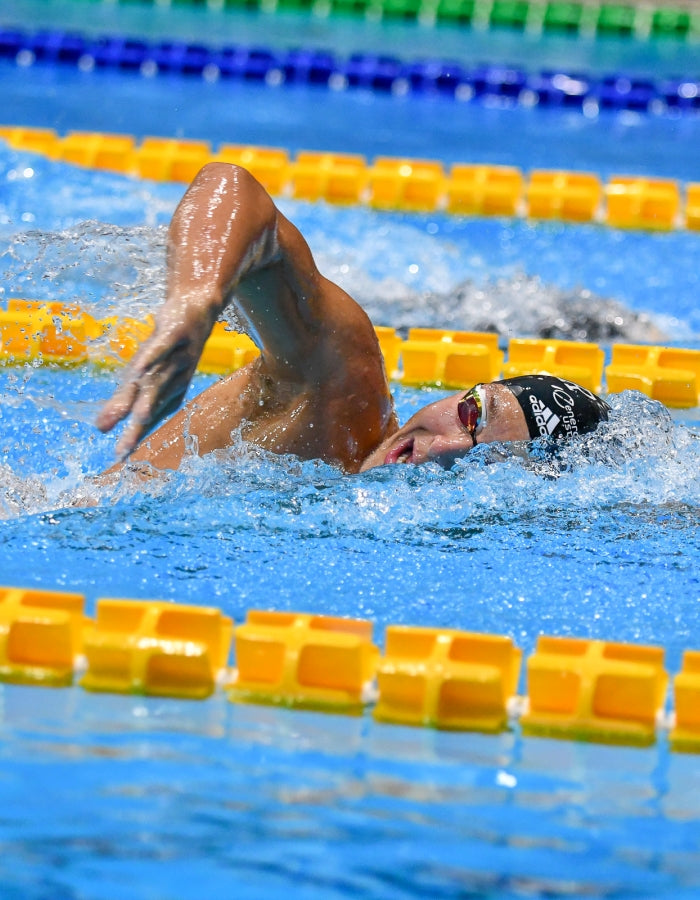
point(490, 84)
point(679, 20)
point(37, 332)
point(577, 689)
point(387, 183)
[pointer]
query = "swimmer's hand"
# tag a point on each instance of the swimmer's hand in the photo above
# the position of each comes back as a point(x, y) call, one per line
point(157, 378)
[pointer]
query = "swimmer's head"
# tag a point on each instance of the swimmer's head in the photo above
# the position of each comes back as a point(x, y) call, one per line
point(515, 409)
point(557, 408)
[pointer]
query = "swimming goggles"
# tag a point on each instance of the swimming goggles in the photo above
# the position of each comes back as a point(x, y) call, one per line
point(471, 411)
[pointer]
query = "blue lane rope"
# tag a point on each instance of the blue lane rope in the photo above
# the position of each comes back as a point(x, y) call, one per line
point(386, 74)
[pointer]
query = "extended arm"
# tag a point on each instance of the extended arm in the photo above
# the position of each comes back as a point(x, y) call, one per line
point(226, 237)
point(319, 388)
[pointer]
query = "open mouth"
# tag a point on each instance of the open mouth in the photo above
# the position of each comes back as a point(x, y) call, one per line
point(401, 453)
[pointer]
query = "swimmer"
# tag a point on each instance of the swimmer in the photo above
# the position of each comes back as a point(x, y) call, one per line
point(319, 389)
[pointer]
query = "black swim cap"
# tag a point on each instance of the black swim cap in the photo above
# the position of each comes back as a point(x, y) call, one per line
point(556, 408)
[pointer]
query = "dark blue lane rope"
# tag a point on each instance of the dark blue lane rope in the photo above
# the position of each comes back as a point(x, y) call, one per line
point(489, 83)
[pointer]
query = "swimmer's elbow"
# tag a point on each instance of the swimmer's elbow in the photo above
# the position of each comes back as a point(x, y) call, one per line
point(232, 179)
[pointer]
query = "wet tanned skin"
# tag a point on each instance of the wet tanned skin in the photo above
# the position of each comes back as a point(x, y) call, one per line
point(436, 434)
point(319, 388)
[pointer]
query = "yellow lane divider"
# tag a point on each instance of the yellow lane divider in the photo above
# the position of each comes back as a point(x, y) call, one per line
point(443, 678)
point(302, 660)
point(387, 183)
point(595, 690)
point(155, 648)
point(434, 677)
point(62, 334)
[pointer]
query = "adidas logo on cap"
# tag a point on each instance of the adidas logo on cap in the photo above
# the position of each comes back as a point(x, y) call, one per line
point(545, 419)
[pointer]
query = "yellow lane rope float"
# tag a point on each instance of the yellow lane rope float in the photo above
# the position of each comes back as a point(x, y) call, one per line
point(388, 183)
point(577, 689)
point(34, 332)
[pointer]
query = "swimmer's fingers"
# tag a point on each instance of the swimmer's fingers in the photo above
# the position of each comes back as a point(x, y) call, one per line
point(123, 399)
point(156, 380)
point(137, 427)
point(145, 415)
point(157, 396)
point(163, 357)
point(118, 406)
point(129, 439)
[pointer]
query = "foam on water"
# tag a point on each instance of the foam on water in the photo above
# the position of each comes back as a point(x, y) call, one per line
point(112, 269)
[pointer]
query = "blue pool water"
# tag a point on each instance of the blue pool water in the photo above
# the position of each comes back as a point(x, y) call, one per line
point(355, 121)
point(110, 797)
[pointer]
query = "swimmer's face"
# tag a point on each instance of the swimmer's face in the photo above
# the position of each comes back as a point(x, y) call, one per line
point(442, 432)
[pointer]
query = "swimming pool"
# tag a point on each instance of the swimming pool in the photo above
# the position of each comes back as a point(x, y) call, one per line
point(110, 796)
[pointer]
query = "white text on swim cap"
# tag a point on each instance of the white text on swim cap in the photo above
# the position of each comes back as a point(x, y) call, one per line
point(545, 419)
